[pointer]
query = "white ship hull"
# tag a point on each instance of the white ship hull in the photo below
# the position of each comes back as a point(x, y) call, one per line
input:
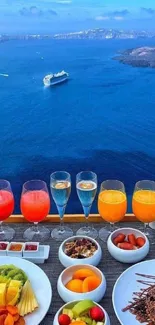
point(55, 79)
point(54, 82)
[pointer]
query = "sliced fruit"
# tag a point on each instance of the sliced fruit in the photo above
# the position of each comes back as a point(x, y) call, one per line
point(3, 310)
point(3, 288)
point(16, 317)
point(82, 307)
point(68, 312)
point(13, 310)
point(87, 320)
point(9, 320)
point(83, 273)
point(90, 283)
point(20, 321)
point(2, 319)
point(78, 323)
point(28, 301)
point(75, 285)
point(94, 322)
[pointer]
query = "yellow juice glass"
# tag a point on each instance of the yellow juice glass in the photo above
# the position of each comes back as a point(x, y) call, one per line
point(112, 204)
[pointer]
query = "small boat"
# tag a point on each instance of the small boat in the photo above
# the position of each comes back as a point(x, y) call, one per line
point(56, 78)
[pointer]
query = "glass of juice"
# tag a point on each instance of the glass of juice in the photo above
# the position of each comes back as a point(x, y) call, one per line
point(6, 209)
point(86, 186)
point(60, 184)
point(35, 206)
point(112, 205)
point(143, 203)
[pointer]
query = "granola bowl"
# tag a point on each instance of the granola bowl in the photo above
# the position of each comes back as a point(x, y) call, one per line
point(80, 250)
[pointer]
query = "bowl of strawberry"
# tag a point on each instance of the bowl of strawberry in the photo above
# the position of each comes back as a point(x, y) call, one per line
point(81, 312)
point(128, 245)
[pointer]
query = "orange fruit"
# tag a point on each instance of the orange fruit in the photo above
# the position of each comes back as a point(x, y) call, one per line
point(83, 273)
point(90, 283)
point(75, 285)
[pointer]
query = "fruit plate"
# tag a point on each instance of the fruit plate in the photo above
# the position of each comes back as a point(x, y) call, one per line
point(40, 284)
point(126, 285)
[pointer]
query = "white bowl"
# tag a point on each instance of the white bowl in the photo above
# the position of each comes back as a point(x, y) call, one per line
point(15, 253)
point(68, 261)
point(128, 256)
point(3, 252)
point(67, 295)
point(71, 304)
point(30, 253)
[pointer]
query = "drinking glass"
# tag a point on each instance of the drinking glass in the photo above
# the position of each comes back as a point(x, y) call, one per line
point(60, 184)
point(143, 203)
point(86, 186)
point(112, 205)
point(35, 206)
point(6, 209)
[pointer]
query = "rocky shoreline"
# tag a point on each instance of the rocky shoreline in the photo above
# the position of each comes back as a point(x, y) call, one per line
point(139, 57)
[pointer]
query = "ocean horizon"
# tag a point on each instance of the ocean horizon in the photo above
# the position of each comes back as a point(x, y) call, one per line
point(102, 119)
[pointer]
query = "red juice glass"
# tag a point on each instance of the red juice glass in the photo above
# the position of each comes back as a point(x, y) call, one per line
point(35, 206)
point(6, 209)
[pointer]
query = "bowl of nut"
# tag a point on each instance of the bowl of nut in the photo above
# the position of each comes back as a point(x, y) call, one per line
point(80, 250)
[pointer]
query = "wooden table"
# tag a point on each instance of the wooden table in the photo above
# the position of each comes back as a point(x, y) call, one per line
point(111, 268)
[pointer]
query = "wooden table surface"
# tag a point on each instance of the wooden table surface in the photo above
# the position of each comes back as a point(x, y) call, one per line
point(111, 269)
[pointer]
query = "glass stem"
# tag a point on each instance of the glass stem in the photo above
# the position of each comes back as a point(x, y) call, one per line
point(36, 229)
point(112, 226)
point(146, 225)
point(61, 210)
point(1, 228)
point(86, 213)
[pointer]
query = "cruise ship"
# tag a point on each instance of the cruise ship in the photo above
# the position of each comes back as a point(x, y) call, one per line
point(56, 78)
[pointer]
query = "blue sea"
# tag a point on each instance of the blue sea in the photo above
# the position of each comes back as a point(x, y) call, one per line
point(102, 119)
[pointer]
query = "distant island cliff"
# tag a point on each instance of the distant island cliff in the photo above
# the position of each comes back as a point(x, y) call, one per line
point(139, 57)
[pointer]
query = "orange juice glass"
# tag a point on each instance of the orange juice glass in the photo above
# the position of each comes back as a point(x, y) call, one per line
point(112, 204)
point(143, 202)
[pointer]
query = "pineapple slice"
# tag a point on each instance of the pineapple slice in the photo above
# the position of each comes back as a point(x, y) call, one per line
point(13, 292)
point(3, 287)
point(28, 301)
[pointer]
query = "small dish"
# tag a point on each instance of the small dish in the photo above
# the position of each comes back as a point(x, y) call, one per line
point(68, 295)
point(3, 251)
point(128, 256)
point(17, 253)
point(68, 261)
point(28, 249)
point(71, 305)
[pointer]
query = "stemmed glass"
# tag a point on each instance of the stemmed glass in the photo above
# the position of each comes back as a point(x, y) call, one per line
point(112, 205)
point(60, 184)
point(86, 186)
point(143, 203)
point(6, 209)
point(35, 206)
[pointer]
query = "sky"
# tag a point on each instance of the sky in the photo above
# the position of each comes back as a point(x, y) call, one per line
point(57, 16)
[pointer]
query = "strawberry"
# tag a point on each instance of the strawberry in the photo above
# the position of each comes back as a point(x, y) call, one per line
point(119, 239)
point(140, 241)
point(132, 239)
point(64, 319)
point(97, 314)
point(126, 246)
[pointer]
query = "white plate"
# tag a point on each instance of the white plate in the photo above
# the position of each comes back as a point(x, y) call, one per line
point(124, 288)
point(40, 284)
